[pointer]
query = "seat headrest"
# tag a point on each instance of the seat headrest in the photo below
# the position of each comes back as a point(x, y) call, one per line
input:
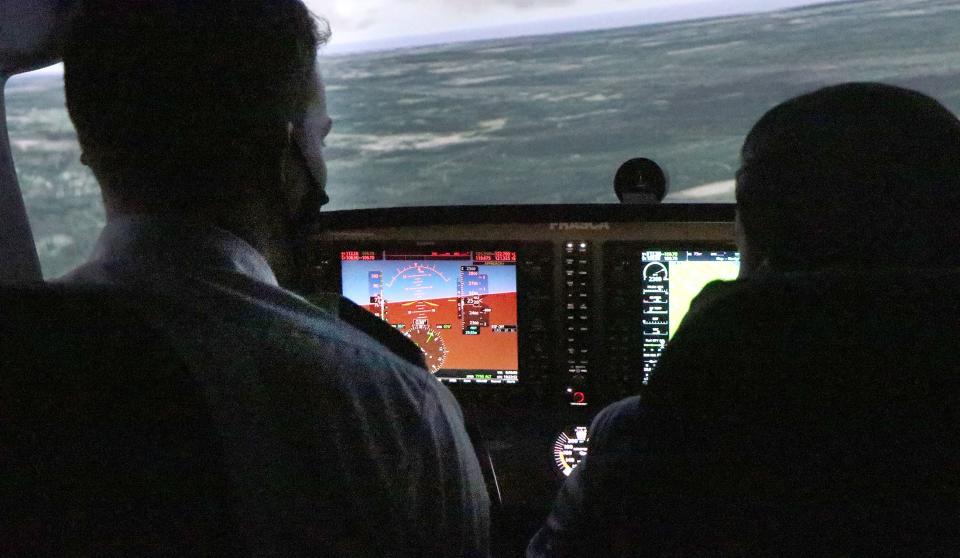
point(32, 34)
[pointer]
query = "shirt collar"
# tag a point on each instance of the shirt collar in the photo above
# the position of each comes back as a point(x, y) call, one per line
point(151, 242)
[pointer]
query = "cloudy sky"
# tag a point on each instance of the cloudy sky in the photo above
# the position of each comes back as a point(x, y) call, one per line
point(374, 24)
point(362, 21)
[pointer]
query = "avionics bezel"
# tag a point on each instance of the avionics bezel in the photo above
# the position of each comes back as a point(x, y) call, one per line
point(334, 283)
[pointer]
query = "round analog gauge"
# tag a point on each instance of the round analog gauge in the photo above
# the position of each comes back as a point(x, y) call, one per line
point(431, 343)
point(656, 270)
point(570, 449)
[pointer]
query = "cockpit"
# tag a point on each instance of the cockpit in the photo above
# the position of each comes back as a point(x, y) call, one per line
point(475, 203)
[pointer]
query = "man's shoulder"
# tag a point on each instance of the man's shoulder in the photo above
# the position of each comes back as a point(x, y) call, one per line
point(773, 303)
point(764, 335)
point(293, 330)
point(235, 316)
point(619, 419)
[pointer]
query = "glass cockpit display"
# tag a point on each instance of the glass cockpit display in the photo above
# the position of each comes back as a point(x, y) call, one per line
point(570, 448)
point(459, 307)
point(671, 279)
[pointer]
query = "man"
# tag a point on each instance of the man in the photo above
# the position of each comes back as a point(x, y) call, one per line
point(187, 112)
point(808, 408)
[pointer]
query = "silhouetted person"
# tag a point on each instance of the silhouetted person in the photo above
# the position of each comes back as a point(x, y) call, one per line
point(185, 111)
point(811, 407)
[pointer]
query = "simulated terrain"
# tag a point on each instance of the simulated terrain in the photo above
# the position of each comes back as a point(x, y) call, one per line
point(544, 119)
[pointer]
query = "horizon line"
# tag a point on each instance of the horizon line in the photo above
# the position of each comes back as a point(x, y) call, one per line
point(404, 42)
point(410, 42)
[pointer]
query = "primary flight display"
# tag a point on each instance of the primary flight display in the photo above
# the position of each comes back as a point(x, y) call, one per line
point(459, 307)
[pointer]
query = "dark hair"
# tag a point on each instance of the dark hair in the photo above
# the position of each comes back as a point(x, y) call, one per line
point(864, 174)
point(179, 97)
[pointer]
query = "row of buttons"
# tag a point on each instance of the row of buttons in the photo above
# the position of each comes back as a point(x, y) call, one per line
point(535, 270)
point(577, 326)
point(623, 334)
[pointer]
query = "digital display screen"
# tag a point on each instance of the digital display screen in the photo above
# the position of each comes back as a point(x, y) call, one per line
point(459, 307)
point(671, 279)
point(570, 448)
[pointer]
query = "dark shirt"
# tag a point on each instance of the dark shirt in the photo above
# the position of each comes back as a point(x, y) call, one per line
point(793, 415)
point(334, 445)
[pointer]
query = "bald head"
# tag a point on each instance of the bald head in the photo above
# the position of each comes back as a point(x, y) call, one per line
point(860, 175)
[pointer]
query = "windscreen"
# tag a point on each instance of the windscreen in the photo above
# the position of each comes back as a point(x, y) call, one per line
point(549, 98)
point(458, 306)
point(451, 102)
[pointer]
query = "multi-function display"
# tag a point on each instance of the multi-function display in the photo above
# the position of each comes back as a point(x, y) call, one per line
point(670, 281)
point(459, 307)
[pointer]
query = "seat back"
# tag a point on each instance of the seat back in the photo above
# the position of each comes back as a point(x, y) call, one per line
point(106, 444)
point(32, 33)
point(816, 414)
point(31, 38)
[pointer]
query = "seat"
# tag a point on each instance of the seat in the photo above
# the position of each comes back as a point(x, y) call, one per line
point(819, 415)
point(106, 444)
point(32, 35)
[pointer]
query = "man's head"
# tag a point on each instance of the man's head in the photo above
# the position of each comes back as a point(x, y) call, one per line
point(187, 107)
point(856, 175)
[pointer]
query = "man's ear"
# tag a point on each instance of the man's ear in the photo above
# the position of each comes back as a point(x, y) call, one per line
point(752, 258)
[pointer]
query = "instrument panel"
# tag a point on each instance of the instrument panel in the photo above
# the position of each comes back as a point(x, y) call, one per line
point(507, 298)
point(535, 317)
